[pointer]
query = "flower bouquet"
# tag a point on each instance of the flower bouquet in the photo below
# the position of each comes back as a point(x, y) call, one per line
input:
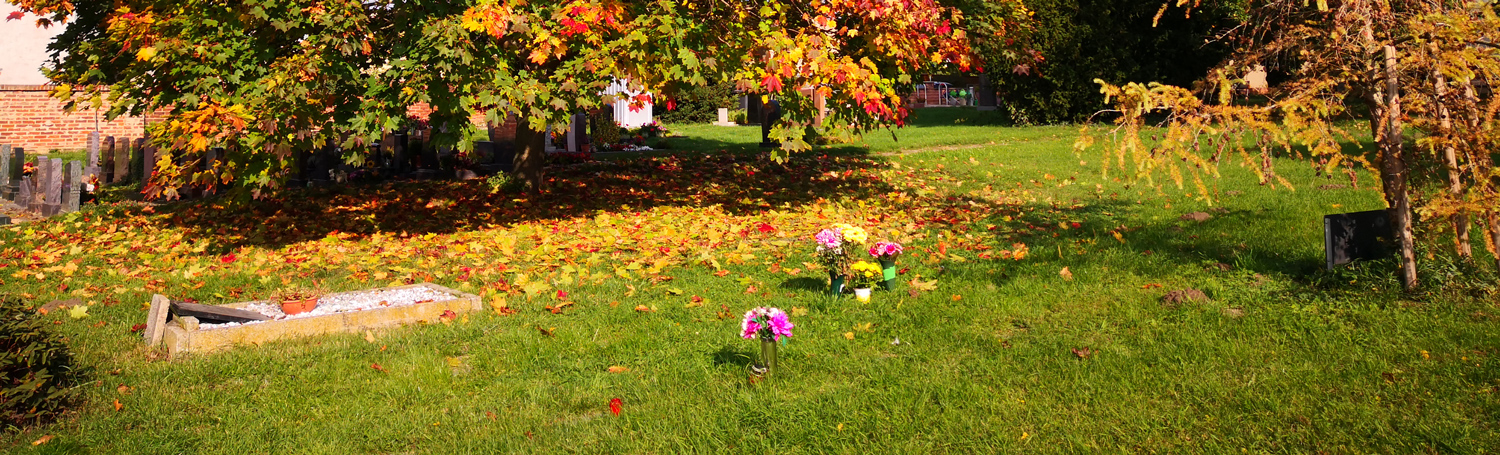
point(886, 253)
point(831, 244)
point(864, 275)
point(770, 325)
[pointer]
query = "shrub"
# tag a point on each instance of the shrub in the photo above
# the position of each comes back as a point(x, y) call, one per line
point(37, 375)
point(696, 104)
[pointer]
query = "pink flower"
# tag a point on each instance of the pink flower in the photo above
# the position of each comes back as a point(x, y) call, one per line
point(829, 238)
point(885, 249)
point(771, 320)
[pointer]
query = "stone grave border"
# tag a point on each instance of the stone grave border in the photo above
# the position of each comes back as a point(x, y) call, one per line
point(182, 336)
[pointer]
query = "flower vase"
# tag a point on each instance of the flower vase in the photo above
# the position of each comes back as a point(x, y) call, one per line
point(835, 283)
point(863, 294)
point(888, 268)
point(768, 353)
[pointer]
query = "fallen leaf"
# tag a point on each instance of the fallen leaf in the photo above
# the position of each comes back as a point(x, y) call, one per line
point(379, 368)
point(78, 312)
point(799, 311)
point(917, 284)
point(490, 414)
point(849, 335)
point(721, 273)
point(618, 369)
point(369, 336)
point(1066, 274)
point(643, 308)
point(43, 439)
point(1083, 353)
point(448, 315)
point(547, 331)
point(957, 297)
point(118, 406)
point(615, 405)
point(123, 389)
point(1150, 286)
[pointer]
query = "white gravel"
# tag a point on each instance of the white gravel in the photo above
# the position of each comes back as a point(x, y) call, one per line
point(344, 303)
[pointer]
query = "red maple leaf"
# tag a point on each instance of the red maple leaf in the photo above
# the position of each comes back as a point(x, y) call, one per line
point(561, 294)
point(14, 15)
point(614, 406)
point(228, 258)
point(448, 315)
point(763, 227)
point(771, 83)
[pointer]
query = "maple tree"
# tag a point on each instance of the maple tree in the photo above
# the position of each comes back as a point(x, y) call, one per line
point(1414, 64)
point(265, 77)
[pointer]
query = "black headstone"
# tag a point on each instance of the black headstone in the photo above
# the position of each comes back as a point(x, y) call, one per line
point(772, 116)
point(1348, 237)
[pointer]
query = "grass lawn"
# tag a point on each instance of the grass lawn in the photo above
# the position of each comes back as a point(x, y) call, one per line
point(1046, 331)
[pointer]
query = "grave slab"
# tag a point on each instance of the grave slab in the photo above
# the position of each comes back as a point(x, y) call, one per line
point(179, 339)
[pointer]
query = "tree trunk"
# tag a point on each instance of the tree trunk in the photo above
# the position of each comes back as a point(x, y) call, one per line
point(1483, 166)
point(1450, 159)
point(531, 155)
point(1393, 173)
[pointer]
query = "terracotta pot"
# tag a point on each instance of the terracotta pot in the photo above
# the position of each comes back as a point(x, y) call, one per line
point(291, 307)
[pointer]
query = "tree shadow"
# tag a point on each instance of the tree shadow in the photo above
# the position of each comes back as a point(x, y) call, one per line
point(736, 183)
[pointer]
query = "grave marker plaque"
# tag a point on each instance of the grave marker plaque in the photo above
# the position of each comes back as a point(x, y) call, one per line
point(1348, 237)
point(5, 175)
point(72, 180)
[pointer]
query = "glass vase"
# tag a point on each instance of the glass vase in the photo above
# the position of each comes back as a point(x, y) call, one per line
point(768, 353)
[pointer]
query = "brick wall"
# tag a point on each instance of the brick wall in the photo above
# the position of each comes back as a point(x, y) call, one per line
point(505, 132)
point(31, 118)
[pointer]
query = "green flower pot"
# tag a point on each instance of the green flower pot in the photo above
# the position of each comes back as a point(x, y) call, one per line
point(888, 268)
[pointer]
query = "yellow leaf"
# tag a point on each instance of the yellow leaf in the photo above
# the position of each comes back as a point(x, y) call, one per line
point(369, 336)
point(918, 284)
point(145, 54)
point(1066, 274)
point(79, 312)
point(849, 335)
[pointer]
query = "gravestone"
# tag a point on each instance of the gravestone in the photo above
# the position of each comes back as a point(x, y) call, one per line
point(17, 165)
point(1255, 81)
point(23, 194)
point(1348, 237)
point(772, 116)
point(92, 165)
point(4, 220)
point(38, 184)
point(138, 160)
point(984, 93)
point(148, 163)
point(5, 171)
point(724, 118)
point(72, 180)
point(754, 111)
point(107, 168)
point(52, 200)
point(400, 157)
point(122, 160)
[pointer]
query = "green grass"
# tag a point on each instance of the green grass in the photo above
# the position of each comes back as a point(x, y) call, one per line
point(1284, 358)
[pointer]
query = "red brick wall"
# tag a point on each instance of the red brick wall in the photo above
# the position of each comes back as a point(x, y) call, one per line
point(31, 118)
point(503, 132)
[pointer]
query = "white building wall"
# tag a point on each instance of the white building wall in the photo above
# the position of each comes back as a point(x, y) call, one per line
point(623, 115)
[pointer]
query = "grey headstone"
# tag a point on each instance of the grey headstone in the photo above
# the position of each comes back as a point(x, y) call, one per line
point(107, 168)
point(148, 163)
point(38, 184)
point(138, 160)
point(122, 160)
point(92, 165)
point(72, 180)
point(23, 194)
point(52, 201)
point(984, 93)
point(5, 171)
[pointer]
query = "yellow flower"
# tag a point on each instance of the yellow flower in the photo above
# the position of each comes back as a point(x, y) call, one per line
point(852, 234)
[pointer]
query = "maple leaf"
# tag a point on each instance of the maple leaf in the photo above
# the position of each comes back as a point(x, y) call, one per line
point(118, 406)
point(43, 439)
point(228, 258)
point(78, 312)
point(721, 273)
point(137, 328)
point(615, 405)
point(379, 368)
point(17, 15)
point(1083, 353)
point(917, 284)
point(448, 316)
point(1066, 274)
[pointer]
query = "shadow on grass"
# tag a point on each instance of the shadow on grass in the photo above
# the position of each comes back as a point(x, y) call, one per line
point(736, 184)
point(804, 284)
point(732, 356)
